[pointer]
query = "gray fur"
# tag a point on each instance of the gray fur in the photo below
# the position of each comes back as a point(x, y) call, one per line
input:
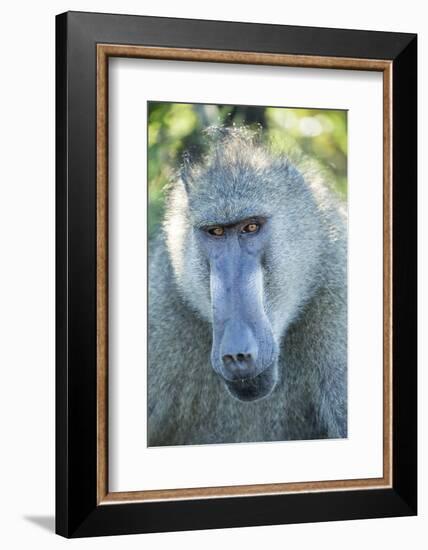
point(305, 297)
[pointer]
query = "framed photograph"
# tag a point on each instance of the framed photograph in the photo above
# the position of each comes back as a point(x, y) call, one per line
point(236, 274)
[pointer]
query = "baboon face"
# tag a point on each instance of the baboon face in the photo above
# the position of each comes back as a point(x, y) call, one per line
point(244, 352)
point(235, 238)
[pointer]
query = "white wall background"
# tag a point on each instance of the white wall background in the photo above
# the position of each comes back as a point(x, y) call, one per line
point(27, 272)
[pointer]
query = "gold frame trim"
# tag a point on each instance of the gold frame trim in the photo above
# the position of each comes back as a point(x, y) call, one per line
point(104, 51)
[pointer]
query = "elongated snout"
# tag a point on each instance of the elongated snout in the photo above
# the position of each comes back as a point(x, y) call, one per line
point(238, 351)
point(243, 345)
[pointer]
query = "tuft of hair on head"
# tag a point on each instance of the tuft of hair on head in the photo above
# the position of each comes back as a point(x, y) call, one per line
point(232, 142)
point(242, 134)
point(217, 142)
point(186, 170)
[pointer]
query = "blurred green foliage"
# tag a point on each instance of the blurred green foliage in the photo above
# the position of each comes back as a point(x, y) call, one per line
point(321, 135)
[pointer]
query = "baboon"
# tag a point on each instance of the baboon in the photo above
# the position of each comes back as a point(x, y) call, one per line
point(247, 301)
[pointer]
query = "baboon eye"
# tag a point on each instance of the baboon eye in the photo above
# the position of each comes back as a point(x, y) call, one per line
point(216, 231)
point(251, 228)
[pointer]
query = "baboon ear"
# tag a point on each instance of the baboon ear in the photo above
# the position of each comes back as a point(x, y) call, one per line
point(185, 171)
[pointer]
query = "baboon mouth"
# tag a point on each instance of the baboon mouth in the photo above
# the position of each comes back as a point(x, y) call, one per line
point(253, 389)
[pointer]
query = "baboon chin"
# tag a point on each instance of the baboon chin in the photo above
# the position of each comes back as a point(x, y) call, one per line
point(253, 389)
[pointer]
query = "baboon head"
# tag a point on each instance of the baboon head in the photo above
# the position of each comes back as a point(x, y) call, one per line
point(242, 244)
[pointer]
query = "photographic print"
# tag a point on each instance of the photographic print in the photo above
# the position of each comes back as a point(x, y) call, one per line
point(236, 266)
point(247, 308)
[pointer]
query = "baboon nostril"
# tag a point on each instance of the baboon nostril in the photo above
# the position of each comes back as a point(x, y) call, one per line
point(238, 358)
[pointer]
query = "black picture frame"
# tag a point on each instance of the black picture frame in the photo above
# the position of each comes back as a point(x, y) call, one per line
point(78, 513)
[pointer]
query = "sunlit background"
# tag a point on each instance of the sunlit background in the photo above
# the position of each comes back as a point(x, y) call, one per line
point(314, 136)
